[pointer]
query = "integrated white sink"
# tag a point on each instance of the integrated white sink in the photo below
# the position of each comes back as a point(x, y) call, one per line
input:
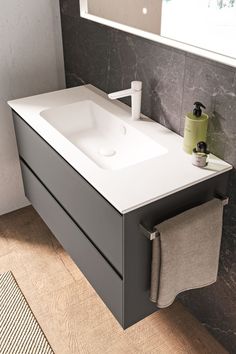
point(129, 162)
point(106, 139)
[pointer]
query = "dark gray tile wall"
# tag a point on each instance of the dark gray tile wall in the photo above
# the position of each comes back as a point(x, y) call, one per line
point(172, 80)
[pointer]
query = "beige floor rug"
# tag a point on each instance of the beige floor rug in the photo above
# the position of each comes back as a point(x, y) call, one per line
point(20, 332)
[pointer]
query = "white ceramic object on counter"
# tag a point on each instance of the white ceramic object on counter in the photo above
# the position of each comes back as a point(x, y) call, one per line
point(102, 136)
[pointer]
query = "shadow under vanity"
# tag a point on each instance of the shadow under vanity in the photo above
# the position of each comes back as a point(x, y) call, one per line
point(107, 245)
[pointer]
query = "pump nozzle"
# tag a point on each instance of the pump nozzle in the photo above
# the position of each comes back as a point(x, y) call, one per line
point(202, 147)
point(197, 110)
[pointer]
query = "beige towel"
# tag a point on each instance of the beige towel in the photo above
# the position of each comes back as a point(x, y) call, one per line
point(186, 255)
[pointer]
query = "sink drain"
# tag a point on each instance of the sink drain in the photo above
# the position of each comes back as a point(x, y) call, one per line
point(107, 152)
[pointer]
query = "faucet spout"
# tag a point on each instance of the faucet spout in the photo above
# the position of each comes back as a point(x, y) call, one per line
point(136, 94)
point(120, 94)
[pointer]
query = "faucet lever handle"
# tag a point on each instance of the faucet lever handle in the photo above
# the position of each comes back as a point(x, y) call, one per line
point(136, 85)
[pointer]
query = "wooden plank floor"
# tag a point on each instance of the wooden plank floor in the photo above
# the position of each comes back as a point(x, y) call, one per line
point(69, 311)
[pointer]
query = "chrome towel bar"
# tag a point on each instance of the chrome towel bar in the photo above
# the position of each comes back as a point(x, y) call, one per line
point(152, 234)
point(222, 197)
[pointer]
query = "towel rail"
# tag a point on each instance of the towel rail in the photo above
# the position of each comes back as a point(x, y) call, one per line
point(222, 197)
point(152, 234)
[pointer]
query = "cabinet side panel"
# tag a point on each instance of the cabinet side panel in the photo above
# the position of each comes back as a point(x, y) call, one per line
point(137, 248)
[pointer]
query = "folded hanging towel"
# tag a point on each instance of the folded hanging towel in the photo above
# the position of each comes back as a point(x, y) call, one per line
point(186, 254)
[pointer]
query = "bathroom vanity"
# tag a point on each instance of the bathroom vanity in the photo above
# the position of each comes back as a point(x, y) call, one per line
point(95, 195)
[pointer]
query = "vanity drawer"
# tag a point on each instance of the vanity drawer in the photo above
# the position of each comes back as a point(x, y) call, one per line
point(99, 273)
point(101, 222)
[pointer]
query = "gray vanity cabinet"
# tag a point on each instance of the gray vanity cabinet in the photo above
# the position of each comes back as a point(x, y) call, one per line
point(107, 246)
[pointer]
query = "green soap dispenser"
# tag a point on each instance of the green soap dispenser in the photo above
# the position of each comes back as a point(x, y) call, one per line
point(195, 128)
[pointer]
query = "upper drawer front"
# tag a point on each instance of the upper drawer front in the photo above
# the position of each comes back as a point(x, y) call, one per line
point(100, 274)
point(96, 217)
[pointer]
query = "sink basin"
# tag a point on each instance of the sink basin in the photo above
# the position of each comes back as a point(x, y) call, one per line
point(103, 137)
point(130, 163)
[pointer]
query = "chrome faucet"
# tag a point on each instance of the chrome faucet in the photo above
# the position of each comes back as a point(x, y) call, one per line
point(136, 95)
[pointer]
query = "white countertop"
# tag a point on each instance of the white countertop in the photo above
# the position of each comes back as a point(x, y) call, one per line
point(131, 187)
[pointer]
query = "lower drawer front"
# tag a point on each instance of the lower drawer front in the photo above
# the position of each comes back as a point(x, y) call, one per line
point(99, 273)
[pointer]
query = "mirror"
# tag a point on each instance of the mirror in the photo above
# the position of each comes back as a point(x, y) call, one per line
point(202, 27)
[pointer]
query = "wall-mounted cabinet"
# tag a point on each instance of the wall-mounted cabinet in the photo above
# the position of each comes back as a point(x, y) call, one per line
point(107, 245)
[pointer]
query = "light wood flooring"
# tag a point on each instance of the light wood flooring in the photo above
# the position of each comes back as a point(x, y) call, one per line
point(69, 311)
